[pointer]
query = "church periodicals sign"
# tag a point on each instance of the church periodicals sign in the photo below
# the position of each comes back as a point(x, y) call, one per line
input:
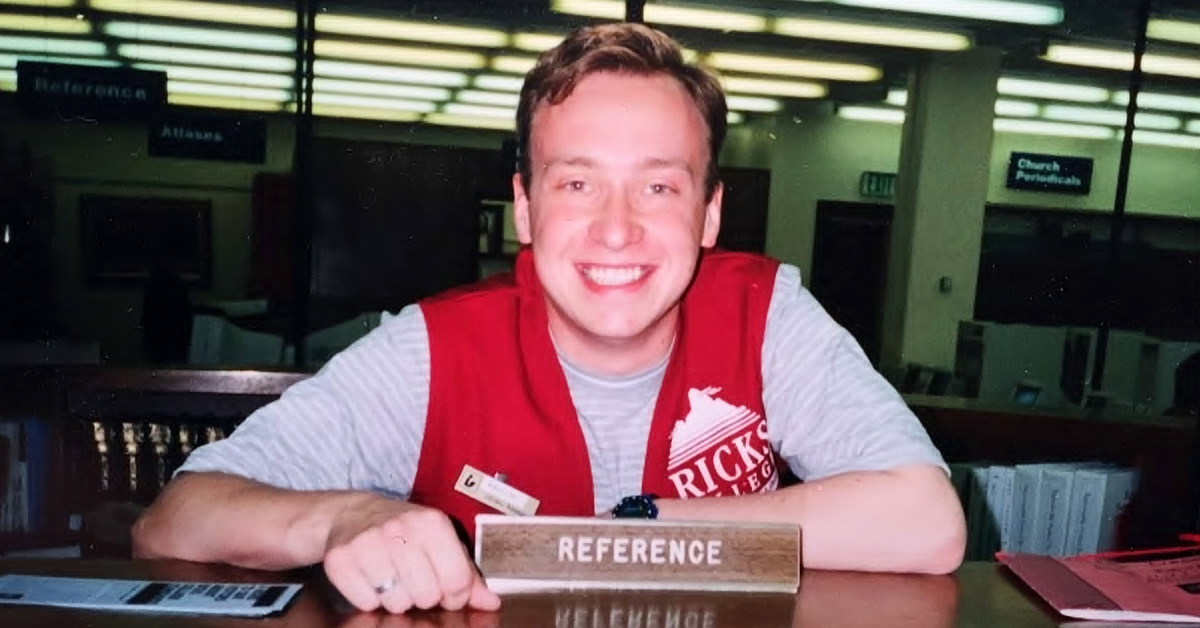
point(557, 553)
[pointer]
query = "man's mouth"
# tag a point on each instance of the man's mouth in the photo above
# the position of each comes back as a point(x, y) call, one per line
point(614, 275)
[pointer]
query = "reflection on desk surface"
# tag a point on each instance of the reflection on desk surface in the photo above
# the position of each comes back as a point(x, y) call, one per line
point(979, 595)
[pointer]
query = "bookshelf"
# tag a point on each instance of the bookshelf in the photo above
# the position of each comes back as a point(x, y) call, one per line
point(1164, 450)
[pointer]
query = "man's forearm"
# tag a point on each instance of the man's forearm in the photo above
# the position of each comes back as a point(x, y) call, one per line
point(214, 517)
point(906, 520)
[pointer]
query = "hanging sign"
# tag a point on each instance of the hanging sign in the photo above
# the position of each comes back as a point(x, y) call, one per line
point(221, 138)
point(74, 91)
point(1050, 173)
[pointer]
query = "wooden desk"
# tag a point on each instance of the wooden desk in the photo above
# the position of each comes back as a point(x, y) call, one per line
point(980, 595)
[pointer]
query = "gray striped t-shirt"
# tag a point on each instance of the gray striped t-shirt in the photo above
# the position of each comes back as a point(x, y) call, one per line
point(358, 423)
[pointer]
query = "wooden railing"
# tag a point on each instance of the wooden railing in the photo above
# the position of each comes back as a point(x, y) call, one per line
point(118, 434)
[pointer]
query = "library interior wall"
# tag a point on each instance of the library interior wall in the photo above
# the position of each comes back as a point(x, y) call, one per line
point(109, 158)
point(813, 155)
point(106, 158)
point(819, 156)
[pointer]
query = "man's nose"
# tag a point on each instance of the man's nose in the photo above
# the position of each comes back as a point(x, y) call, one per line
point(617, 224)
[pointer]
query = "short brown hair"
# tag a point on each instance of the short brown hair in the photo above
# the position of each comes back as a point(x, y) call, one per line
point(627, 48)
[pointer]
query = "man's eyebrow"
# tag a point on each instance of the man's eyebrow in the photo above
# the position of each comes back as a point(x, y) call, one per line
point(662, 162)
point(657, 163)
point(568, 161)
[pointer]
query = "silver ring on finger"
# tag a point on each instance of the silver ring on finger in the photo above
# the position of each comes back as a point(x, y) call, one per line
point(386, 585)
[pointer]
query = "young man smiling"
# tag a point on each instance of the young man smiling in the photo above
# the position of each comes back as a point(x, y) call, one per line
point(623, 358)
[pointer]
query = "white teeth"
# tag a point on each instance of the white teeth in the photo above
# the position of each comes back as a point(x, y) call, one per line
point(614, 276)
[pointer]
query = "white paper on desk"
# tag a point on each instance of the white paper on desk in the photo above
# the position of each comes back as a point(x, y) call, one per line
point(147, 596)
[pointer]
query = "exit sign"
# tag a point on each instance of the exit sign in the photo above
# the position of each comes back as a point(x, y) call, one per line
point(877, 184)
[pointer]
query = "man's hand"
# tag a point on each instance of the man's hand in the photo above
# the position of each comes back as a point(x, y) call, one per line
point(398, 555)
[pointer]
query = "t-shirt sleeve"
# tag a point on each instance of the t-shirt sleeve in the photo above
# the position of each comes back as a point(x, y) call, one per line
point(357, 424)
point(828, 410)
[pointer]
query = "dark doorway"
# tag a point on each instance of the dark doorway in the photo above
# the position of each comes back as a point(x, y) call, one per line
point(744, 209)
point(849, 267)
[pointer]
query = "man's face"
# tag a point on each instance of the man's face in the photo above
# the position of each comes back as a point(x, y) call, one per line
point(615, 211)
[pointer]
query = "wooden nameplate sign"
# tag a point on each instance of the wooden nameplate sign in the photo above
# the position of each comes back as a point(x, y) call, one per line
point(519, 554)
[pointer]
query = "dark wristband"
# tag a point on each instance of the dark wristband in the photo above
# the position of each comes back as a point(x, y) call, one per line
point(636, 507)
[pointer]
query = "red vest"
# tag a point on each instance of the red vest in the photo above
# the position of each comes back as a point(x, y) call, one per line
point(499, 402)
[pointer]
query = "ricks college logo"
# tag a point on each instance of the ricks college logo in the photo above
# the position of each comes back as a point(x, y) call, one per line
point(720, 449)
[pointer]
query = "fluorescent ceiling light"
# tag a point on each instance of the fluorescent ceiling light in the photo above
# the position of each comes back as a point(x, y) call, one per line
point(474, 122)
point(407, 92)
point(498, 83)
point(665, 14)
point(382, 73)
point(196, 56)
point(8, 80)
point(733, 117)
point(10, 61)
point(365, 113)
point(459, 109)
point(772, 87)
point(410, 31)
point(211, 75)
point(1174, 30)
point(230, 91)
point(535, 42)
point(44, 24)
point(871, 114)
point(1188, 67)
point(40, 3)
point(1167, 139)
point(345, 100)
point(53, 46)
point(440, 58)
point(752, 103)
point(1036, 13)
point(1003, 107)
point(222, 102)
point(809, 68)
point(201, 11)
point(592, 8)
point(1058, 129)
point(703, 18)
point(1050, 90)
point(515, 65)
point(869, 34)
point(1110, 117)
point(1193, 126)
point(1165, 102)
point(1171, 65)
point(200, 36)
point(1016, 108)
point(499, 99)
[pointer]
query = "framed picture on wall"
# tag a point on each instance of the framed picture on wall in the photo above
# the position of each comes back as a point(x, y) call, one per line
point(128, 240)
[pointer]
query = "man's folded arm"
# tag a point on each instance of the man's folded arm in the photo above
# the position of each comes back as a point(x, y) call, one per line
point(223, 518)
point(268, 495)
point(905, 520)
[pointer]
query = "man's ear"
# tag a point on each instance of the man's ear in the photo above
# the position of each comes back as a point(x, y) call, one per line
point(712, 218)
point(521, 210)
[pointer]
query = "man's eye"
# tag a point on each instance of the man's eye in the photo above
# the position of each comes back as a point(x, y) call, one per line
point(659, 188)
point(576, 186)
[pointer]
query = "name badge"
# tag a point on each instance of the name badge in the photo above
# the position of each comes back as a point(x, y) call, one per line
point(491, 491)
